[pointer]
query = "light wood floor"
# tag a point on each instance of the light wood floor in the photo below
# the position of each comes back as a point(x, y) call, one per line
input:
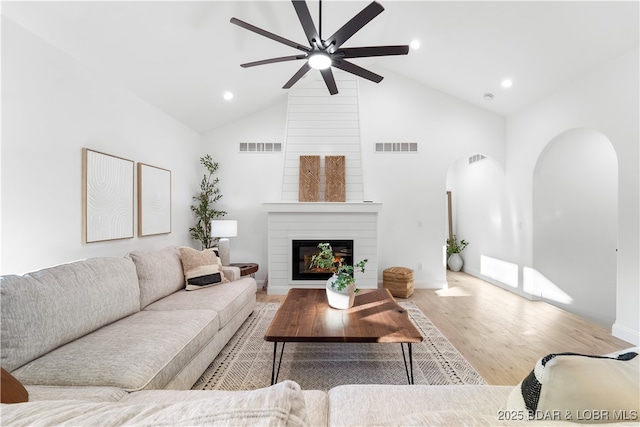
point(502, 334)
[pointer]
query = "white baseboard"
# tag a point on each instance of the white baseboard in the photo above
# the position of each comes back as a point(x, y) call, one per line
point(626, 334)
point(518, 291)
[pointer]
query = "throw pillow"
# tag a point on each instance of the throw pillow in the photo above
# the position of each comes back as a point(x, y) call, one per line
point(11, 389)
point(217, 252)
point(580, 388)
point(201, 268)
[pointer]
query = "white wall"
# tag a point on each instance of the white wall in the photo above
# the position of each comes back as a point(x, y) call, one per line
point(248, 179)
point(483, 216)
point(605, 100)
point(321, 124)
point(52, 106)
point(410, 186)
point(575, 224)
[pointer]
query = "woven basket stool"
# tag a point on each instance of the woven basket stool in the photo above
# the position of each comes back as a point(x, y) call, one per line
point(399, 281)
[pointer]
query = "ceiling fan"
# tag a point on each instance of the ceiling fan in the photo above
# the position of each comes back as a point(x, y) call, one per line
point(322, 54)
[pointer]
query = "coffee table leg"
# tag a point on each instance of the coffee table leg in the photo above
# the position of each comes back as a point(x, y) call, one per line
point(408, 368)
point(274, 373)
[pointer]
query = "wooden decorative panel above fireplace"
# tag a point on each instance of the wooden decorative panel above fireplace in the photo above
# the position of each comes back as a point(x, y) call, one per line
point(309, 189)
point(334, 171)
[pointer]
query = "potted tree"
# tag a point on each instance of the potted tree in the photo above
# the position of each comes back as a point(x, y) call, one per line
point(341, 287)
point(454, 247)
point(203, 206)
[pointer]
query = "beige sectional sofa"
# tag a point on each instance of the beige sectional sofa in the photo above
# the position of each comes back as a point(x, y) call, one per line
point(118, 322)
point(116, 341)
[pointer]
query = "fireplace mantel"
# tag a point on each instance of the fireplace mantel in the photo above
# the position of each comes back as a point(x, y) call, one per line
point(319, 207)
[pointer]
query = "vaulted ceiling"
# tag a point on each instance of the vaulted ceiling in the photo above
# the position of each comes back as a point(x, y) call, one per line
point(182, 56)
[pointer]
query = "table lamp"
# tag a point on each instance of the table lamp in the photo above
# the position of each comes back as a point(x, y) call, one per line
point(224, 228)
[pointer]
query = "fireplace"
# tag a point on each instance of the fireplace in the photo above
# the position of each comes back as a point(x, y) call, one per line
point(303, 250)
point(320, 222)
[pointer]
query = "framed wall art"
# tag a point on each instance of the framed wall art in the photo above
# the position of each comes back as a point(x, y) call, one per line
point(154, 200)
point(309, 185)
point(107, 197)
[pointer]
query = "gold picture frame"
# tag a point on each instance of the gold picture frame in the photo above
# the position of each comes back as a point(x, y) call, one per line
point(154, 200)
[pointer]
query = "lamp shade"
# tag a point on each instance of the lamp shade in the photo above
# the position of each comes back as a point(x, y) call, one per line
point(224, 228)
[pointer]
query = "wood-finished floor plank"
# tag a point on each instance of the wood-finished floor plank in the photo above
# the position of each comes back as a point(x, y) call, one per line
point(502, 334)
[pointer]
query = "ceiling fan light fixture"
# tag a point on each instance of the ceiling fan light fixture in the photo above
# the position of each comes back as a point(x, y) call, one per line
point(320, 61)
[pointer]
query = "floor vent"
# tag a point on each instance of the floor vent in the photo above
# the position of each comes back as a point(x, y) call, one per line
point(392, 147)
point(476, 158)
point(260, 147)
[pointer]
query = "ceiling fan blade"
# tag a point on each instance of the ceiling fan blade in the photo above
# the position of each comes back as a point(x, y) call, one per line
point(297, 76)
point(358, 71)
point(307, 22)
point(361, 52)
point(350, 28)
point(327, 75)
point(267, 34)
point(273, 60)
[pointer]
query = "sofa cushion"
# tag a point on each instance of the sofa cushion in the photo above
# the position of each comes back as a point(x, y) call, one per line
point(572, 385)
point(12, 390)
point(159, 273)
point(45, 309)
point(280, 405)
point(316, 401)
point(145, 350)
point(226, 299)
point(362, 404)
point(201, 268)
point(88, 394)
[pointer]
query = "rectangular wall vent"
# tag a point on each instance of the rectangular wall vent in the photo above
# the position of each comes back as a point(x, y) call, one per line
point(392, 147)
point(476, 158)
point(260, 147)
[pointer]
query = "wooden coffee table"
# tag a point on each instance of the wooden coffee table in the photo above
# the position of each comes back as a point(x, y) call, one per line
point(305, 316)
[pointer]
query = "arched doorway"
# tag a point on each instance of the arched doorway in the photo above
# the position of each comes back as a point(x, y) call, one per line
point(482, 215)
point(575, 224)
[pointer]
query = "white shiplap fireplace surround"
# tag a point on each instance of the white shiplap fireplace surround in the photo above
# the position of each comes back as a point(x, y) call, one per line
point(321, 124)
point(320, 221)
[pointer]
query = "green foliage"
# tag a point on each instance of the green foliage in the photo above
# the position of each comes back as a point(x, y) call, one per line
point(326, 260)
point(203, 206)
point(455, 247)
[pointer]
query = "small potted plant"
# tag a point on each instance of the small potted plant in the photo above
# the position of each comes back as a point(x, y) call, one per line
point(341, 287)
point(454, 247)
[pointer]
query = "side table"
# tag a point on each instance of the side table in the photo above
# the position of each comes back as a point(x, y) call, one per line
point(246, 268)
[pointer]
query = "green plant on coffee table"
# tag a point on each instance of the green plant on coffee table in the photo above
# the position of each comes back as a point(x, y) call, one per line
point(326, 260)
point(454, 246)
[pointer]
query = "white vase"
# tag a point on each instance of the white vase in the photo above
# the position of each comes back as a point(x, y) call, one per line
point(455, 262)
point(340, 299)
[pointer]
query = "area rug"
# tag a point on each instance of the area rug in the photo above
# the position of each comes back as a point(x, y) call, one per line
point(245, 362)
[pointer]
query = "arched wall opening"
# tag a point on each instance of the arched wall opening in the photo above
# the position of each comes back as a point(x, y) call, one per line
point(575, 225)
point(483, 216)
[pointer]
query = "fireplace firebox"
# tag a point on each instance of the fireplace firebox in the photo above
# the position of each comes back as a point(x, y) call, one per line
point(303, 250)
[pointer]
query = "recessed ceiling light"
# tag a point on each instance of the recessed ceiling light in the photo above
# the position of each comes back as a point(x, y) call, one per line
point(506, 83)
point(415, 44)
point(227, 96)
